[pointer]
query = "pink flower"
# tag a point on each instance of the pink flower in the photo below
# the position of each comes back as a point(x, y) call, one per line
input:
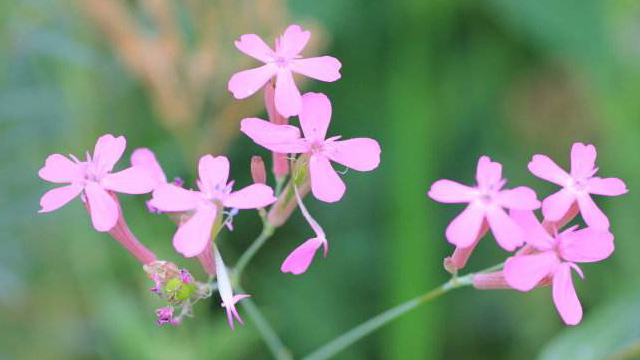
point(215, 193)
point(362, 154)
point(576, 186)
point(556, 257)
point(486, 202)
point(281, 63)
point(95, 179)
point(226, 290)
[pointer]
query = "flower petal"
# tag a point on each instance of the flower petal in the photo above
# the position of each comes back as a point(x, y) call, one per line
point(293, 41)
point(451, 192)
point(315, 116)
point(252, 45)
point(192, 236)
point(521, 198)
point(506, 231)
point(586, 245)
point(287, 98)
point(326, 185)
point(104, 209)
point(545, 168)
point(583, 160)
point(362, 154)
point(146, 160)
point(323, 68)
point(299, 260)
point(565, 297)
point(279, 138)
point(488, 173)
point(606, 186)
point(133, 180)
point(556, 205)
point(60, 169)
point(107, 152)
point(213, 172)
point(464, 229)
point(56, 198)
point(247, 82)
point(169, 197)
point(524, 272)
point(251, 197)
point(591, 213)
point(534, 232)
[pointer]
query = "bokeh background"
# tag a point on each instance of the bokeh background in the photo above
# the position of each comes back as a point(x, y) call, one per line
point(437, 82)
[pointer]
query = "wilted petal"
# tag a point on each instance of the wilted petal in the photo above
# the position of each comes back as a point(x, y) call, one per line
point(293, 41)
point(362, 154)
point(521, 198)
point(169, 197)
point(464, 229)
point(534, 232)
point(586, 245)
point(451, 192)
point(232, 312)
point(508, 234)
point(591, 213)
point(104, 209)
point(192, 236)
point(583, 160)
point(247, 82)
point(556, 205)
point(213, 172)
point(488, 172)
point(146, 160)
point(526, 271)
point(323, 68)
point(299, 260)
point(108, 151)
point(60, 169)
point(287, 99)
point(326, 185)
point(315, 116)
point(279, 138)
point(606, 186)
point(56, 198)
point(565, 297)
point(545, 168)
point(251, 197)
point(252, 45)
point(133, 180)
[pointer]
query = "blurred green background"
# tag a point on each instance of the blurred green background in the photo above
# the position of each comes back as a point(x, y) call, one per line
point(437, 82)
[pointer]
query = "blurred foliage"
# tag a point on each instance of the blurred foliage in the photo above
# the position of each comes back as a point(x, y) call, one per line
point(438, 83)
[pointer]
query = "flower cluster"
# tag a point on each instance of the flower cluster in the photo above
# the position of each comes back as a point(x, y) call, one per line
point(301, 163)
point(545, 253)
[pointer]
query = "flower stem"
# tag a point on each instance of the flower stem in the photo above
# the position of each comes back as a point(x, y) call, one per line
point(246, 257)
point(270, 337)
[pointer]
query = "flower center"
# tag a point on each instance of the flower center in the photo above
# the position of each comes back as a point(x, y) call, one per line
point(486, 198)
point(578, 184)
point(281, 62)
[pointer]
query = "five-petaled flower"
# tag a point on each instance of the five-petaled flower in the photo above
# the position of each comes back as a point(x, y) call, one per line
point(486, 203)
point(362, 154)
point(215, 194)
point(555, 257)
point(577, 186)
point(95, 178)
point(281, 63)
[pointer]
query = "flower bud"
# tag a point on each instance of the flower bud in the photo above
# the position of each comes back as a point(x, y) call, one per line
point(258, 172)
point(280, 162)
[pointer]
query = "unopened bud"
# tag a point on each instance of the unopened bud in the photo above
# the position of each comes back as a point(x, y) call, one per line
point(280, 161)
point(258, 172)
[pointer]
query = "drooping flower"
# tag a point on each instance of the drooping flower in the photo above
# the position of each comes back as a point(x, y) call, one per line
point(215, 194)
point(362, 154)
point(226, 290)
point(577, 186)
point(486, 203)
point(281, 63)
point(555, 258)
point(95, 179)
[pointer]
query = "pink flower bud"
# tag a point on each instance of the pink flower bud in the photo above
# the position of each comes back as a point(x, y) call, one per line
point(490, 281)
point(258, 172)
point(280, 162)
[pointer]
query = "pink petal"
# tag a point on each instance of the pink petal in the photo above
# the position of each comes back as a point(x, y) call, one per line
point(565, 297)
point(545, 168)
point(133, 180)
point(146, 159)
point(326, 185)
point(526, 271)
point(606, 186)
point(60, 169)
point(169, 197)
point(104, 209)
point(521, 198)
point(583, 160)
point(251, 197)
point(534, 232)
point(315, 116)
point(288, 99)
point(232, 311)
point(107, 152)
point(253, 46)
point(591, 213)
point(586, 245)
point(556, 205)
point(323, 68)
point(362, 154)
point(508, 234)
point(247, 82)
point(451, 192)
point(299, 260)
point(279, 138)
point(56, 198)
point(488, 173)
point(213, 172)
point(464, 229)
point(192, 236)
point(293, 41)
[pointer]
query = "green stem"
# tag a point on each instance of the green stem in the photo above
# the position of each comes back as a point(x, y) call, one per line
point(246, 257)
point(369, 326)
point(270, 337)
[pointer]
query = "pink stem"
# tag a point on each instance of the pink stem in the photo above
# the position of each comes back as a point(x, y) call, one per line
point(125, 237)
